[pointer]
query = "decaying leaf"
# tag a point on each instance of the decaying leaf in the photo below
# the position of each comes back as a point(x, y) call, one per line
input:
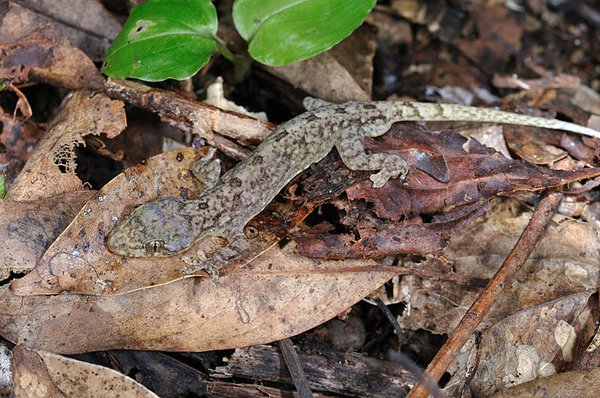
point(27, 228)
point(39, 58)
point(564, 262)
point(44, 374)
point(450, 178)
point(79, 261)
point(50, 169)
point(575, 384)
point(532, 343)
point(278, 295)
point(85, 24)
point(50, 42)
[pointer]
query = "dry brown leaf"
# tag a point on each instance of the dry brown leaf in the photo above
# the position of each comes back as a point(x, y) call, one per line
point(28, 228)
point(499, 36)
point(278, 295)
point(565, 261)
point(575, 384)
point(542, 147)
point(37, 57)
point(532, 343)
point(44, 374)
point(50, 170)
point(534, 145)
point(344, 73)
point(85, 24)
point(18, 138)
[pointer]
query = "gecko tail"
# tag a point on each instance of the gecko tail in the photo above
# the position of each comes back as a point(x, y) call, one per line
point(453, 112)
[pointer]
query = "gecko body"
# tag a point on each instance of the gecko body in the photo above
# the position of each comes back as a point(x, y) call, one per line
point(170, 225)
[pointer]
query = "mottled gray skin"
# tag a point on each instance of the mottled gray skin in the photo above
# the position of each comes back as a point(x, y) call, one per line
point(170, 225)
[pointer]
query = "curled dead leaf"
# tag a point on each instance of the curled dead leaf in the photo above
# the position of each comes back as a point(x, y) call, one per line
point(85, 24)
point(50, 169)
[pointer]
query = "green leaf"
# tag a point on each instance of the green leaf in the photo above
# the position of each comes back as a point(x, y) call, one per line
point(284, 31)
point(164, 39)
point(5, 83)
point(2, 186)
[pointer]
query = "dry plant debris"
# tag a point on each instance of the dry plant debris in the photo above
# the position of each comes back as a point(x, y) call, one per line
point(329, 239)
point(44, 374)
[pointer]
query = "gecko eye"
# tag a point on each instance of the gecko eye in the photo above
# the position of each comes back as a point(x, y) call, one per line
point(153, 247)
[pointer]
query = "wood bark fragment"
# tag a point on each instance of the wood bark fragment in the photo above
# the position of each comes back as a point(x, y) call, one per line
point(188, 115)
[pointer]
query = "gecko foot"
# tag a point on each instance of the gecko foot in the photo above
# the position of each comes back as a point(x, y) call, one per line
point(237, 244)
point(207, 169)
point(393, 167)
point(199, 264)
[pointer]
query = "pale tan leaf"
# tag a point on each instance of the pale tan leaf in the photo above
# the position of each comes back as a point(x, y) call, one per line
point(575, 384)
point(531, 344)
point(44, 374)
point(79, 261)
point(27, 228)
point(278, 295)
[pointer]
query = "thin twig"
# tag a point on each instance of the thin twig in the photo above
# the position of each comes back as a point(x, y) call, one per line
point(472, 371)
point(290, 356)
point(388, 314)
point(478, 310)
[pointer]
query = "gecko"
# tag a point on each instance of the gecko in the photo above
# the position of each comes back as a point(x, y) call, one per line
point(170, 225)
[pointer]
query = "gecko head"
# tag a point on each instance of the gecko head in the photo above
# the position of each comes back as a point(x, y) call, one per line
point(156, 229)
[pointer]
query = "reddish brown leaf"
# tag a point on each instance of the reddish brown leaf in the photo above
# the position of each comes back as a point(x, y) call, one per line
point(377, 240)
point(393, 224)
